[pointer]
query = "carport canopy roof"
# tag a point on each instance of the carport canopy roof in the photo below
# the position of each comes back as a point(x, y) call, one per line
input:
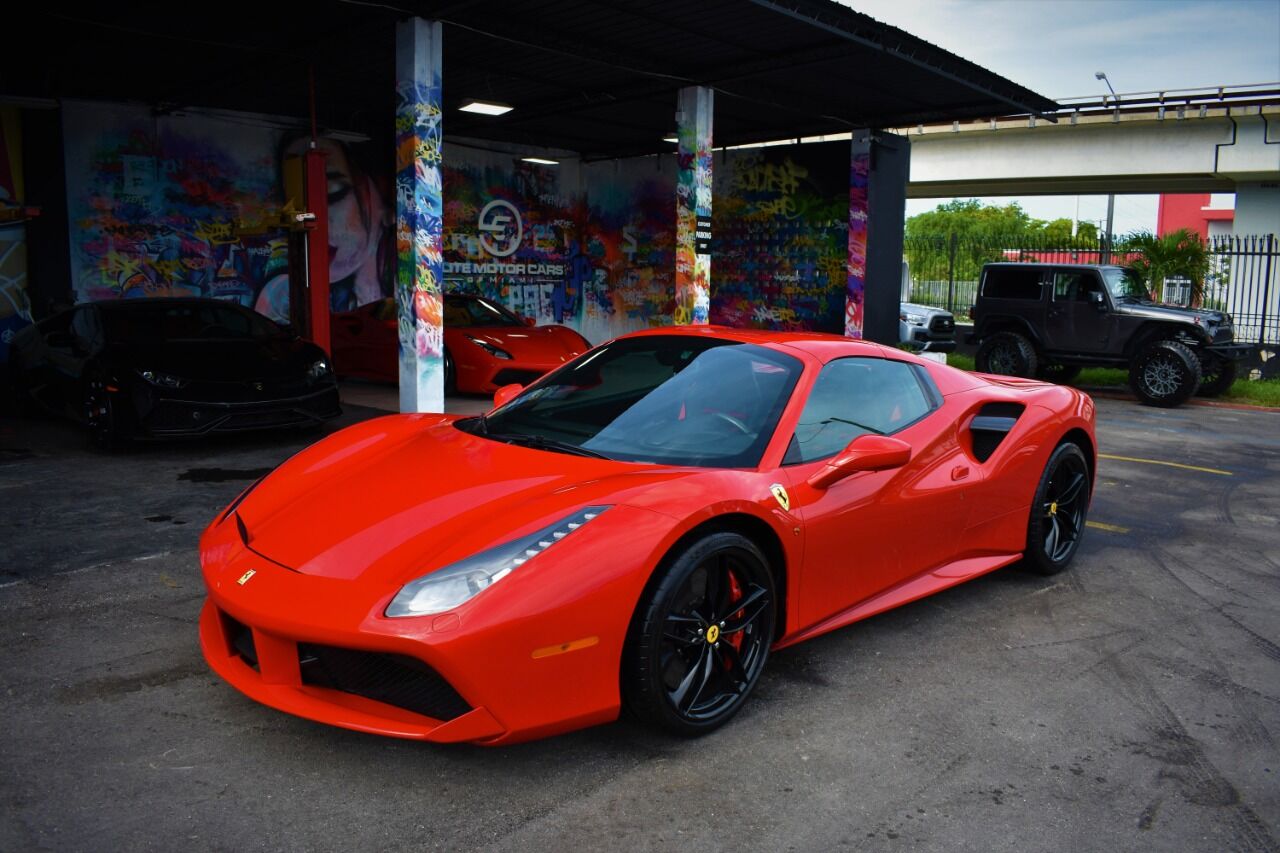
point(597, 78)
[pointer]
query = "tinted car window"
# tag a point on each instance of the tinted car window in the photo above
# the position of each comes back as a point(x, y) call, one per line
point(1074, 286)
point(460, 311)
point(853, 397)
point(668, 399)
point(185, 321)
point(1011, 283)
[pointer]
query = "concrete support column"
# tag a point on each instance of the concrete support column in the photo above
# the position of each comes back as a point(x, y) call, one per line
point(855, 288)
point(878, 168)
point(694, 107)
point(419, 212)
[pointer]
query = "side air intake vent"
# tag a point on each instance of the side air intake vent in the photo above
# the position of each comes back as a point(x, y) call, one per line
point(991, 425)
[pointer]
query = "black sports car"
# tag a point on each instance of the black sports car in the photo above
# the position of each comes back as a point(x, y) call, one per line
point(155, 368)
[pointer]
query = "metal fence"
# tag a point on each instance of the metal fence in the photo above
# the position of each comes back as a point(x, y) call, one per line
point(1243, 279)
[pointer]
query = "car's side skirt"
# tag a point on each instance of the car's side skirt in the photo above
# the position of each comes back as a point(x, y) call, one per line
point(934, 580)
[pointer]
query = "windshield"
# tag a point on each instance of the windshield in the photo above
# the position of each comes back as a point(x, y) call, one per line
point(1124, 283)
point(466, 311)
point(667, 399)
point(185, 321)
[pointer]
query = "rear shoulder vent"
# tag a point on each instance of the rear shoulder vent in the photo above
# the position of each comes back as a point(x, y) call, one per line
point(990, 425)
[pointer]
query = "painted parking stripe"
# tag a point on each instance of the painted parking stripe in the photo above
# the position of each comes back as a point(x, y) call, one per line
point(1110, 528)
point(1169, 464)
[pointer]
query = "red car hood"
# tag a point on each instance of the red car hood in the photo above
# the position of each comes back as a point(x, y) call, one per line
point(527, 343)
point(396, 497)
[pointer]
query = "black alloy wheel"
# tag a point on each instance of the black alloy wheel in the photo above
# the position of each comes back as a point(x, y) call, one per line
point(1007, 354)
point(105, 421)
point(700, 638)
point(450, 376)
point(1165, 374)
point(1216, 376)
point(1058, 511)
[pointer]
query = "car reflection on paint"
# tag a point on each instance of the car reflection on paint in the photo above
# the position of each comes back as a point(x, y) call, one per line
point(638, 529)
point(486, 346)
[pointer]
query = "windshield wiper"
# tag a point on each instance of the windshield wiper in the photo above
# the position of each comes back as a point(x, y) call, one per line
point(541, 442)
point(850, 423)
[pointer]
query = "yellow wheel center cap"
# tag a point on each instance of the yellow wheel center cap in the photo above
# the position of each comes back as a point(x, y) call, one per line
point(713, 633)
point(1053, 508)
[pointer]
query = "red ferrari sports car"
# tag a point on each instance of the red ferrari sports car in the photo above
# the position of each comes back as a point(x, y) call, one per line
point(638, 528)
point(486, 346)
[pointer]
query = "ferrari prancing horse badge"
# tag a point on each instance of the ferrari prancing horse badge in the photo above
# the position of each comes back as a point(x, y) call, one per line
point(780, 493)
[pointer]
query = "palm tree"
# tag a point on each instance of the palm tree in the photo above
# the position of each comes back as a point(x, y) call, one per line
point(1179, 253)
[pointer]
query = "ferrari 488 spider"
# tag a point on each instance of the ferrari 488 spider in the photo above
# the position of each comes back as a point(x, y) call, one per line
point(485, 345)
point(639, 529)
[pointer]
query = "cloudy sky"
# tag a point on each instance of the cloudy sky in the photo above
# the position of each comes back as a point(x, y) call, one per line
point(1055, 46)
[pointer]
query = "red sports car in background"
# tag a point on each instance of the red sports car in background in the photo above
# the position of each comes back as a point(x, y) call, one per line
point(486, 345)
point(638, 528)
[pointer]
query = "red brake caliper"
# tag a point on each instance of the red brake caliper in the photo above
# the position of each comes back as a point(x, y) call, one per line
point(735, 594)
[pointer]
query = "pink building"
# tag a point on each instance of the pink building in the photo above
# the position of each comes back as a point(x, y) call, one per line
point(1209, 215)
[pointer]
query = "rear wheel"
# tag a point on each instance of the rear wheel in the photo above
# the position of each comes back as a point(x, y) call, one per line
point(1058, 511)
point(1216, 376)
point(1165, 374)
point(1008, 354)
point(1059, 373)
point(701, 636)
point(450, 375)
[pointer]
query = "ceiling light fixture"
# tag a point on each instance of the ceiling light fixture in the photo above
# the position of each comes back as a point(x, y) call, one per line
point(673, 139)
point(541, 161)
point(486, 108)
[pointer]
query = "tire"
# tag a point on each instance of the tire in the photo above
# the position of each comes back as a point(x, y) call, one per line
point(1165, 374)
point(1058, 373)
point(108, 423)
point(450, 375)
point(1007, 354)
point(1058, 512)
point(676, 673)
point(1216, 376)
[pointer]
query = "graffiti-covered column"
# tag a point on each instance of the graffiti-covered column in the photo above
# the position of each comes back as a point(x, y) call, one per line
point(693, 205)
point(419, 209)
point(855, 287)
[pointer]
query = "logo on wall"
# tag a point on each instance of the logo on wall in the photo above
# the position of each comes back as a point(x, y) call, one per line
point(500, 228)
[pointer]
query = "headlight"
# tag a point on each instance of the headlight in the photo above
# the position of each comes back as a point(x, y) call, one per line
point(445, 589)
point(913, 319)
point(319, 370)
point(490, 348)
point(163, 380)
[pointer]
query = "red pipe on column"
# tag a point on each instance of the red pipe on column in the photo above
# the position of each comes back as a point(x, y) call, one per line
point(317, 249)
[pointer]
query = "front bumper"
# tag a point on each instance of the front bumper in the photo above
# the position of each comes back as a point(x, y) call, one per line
point(1232, 351)
point(168, 417)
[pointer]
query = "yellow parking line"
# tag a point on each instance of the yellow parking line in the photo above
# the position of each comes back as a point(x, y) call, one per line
point(1110, 528)
point(1169, 464)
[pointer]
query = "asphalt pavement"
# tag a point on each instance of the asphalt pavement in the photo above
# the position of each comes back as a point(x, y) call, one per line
point(1132, 703)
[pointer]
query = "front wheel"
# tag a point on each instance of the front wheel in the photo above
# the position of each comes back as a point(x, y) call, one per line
point(701, 636)
point(1007, 354)
point(1216, 376)
point(1058, 511)
point(450, 376)
point(1059, 374)
point(1165, 374)
point(106, 419)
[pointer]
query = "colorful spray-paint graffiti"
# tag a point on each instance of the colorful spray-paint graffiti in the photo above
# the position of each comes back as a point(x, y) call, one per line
point(859, 172)
point(780, 238)
point(419, 216)
point(693, 206)
point(15, 307)
point(153, 205)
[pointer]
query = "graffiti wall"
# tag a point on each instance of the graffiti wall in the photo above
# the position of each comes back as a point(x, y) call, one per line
point(779, 237)
point(15, 307)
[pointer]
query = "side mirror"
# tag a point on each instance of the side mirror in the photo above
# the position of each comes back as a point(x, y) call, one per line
point(529, 321)
point(864, 453)
point(505, 394)
point(1096, 297)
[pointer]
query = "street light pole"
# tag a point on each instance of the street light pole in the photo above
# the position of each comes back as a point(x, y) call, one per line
point(1111, 197)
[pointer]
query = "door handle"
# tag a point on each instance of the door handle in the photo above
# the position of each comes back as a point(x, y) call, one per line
point(959, 472)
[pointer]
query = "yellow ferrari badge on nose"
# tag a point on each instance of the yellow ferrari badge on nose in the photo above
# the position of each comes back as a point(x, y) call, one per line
point(244, 578)
point(784, 500)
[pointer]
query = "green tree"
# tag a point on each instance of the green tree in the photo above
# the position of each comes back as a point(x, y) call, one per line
point(1180, 253)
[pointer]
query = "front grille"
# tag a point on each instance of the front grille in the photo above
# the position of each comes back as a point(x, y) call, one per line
point(942, 324)
point(514, 376)
point(397, 680)
point(241, 640)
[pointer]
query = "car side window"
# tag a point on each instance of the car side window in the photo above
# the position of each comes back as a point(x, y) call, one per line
point(86, 329)
point(1012, 283)
point(1074, 286)
point(857, 396)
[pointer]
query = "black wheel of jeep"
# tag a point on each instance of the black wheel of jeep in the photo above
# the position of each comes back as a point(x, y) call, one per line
point(1165, 374)
point(1058, 512)
point(701, 636)
point(1059, 373)
point(1216, 376)
point(1008, 354)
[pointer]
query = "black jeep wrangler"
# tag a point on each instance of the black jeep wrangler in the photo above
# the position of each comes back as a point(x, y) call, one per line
point(1050, 320)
